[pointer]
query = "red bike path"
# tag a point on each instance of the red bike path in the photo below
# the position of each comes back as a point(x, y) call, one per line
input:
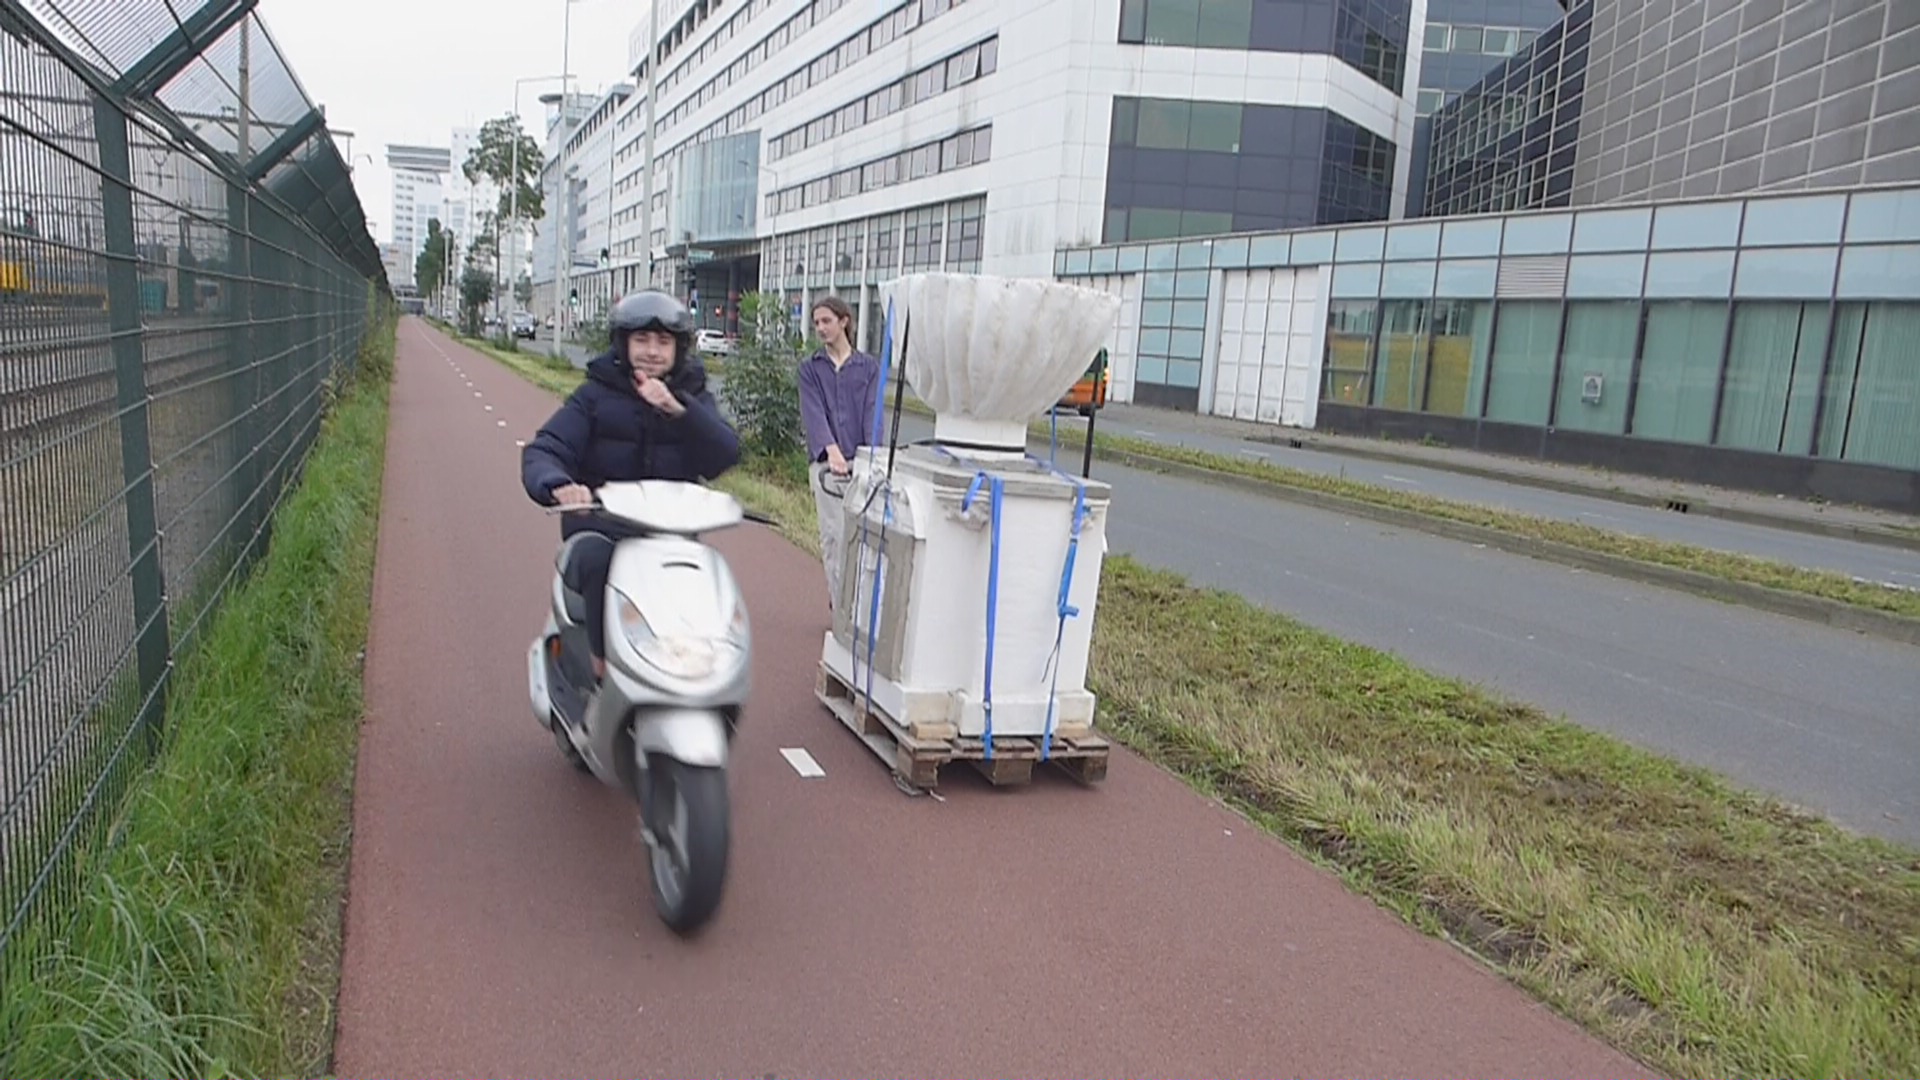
point(498, 920)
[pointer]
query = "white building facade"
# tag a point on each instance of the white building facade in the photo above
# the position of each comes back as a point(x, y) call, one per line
point(419, 174)
point(815, 146)
point(576, 233)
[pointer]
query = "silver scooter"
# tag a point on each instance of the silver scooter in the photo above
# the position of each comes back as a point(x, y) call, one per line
point(678, 655)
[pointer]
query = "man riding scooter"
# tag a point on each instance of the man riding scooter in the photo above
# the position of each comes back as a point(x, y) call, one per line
point(644, 413)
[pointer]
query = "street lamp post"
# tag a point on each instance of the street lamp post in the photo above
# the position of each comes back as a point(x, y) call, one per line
point(653, 94)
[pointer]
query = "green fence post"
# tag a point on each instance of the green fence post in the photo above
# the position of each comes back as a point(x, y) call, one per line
point(136, 452)
point(245, 388)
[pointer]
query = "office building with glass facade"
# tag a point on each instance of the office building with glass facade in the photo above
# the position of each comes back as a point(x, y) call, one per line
point(826, 146)
point(1770, 342)
point(1638, 100)
point(1461, 42)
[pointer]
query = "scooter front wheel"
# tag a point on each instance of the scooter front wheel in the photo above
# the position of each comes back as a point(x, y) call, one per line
point(688, 833)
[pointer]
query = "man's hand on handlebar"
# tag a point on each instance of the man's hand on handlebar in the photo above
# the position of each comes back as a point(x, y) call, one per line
point(577, 496)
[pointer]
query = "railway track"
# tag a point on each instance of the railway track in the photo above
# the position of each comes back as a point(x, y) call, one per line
point(50, 385)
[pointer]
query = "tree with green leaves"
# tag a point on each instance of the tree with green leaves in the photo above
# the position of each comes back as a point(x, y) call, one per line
point(482, 248)
point(431, 263)
point(493, 158)
point(476, 288)
point(523, 289)
point(762, 387)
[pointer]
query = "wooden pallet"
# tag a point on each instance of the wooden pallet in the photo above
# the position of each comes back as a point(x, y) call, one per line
point(917, 751)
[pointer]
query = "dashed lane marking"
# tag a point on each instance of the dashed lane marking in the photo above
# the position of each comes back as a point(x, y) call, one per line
point(802, 762)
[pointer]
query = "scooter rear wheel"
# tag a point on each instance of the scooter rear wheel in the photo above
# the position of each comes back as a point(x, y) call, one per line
point(688, 836)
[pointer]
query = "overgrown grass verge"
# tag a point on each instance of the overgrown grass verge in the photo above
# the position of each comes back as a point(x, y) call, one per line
point(547, 372)
point(207, 940)
point(1707, 931)
point(1729, 566)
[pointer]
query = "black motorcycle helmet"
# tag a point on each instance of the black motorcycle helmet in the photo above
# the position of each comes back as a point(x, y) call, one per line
point(650, 310)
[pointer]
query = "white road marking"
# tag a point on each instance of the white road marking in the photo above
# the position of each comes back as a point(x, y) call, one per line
point(802, 762)
point(1398, 479)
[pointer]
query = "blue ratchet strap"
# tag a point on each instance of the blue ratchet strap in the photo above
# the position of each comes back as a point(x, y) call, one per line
point(873, 613)
point(996, 494)
point(886, 369)
point(879, 555)
point(1067, 611)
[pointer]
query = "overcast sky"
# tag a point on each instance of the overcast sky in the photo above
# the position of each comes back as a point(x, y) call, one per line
point(410, 70)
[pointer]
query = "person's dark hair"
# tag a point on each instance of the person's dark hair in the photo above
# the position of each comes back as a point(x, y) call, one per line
point(841, 311)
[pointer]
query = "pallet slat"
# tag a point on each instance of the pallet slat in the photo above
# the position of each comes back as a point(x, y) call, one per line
point(916, 752)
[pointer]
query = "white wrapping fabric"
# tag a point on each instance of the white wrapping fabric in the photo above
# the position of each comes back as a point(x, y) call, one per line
point(993, 348)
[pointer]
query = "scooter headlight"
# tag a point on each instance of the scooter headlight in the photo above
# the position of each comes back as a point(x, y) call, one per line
point(680, 656)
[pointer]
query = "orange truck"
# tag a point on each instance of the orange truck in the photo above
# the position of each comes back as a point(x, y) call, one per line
point(1087, 397)
point(1090, 392)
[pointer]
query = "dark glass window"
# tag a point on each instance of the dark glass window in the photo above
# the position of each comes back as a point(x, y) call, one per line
point(1207, 24)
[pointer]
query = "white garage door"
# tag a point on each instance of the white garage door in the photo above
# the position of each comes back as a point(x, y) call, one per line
point(1269, 360)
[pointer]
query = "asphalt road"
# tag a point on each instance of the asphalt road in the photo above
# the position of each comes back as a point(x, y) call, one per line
point(1824, 718)
point(1870, 562)
point(498, 922)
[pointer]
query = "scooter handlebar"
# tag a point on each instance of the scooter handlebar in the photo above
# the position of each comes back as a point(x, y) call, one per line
point(581, 508)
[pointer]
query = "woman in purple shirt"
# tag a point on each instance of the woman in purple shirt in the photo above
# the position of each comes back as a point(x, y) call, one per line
point(838, 388)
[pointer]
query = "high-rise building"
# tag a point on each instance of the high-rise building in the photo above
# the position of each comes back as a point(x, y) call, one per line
point(831, 146)
point(576, 183)
point(419, 175)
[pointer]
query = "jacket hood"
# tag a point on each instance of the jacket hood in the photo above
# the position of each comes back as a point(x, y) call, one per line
point(689, 376)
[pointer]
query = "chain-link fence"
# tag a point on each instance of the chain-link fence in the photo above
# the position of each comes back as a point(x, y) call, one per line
point(184, 270)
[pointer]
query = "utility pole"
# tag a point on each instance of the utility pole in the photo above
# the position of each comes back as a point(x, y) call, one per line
point(566, 87)
point(653, 93)
point(613, 145)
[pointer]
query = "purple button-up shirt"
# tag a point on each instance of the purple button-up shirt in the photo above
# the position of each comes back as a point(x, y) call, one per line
point(837, 406)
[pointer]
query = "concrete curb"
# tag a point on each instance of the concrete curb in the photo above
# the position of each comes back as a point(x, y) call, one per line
point(1815, 609)
point(1865, 534)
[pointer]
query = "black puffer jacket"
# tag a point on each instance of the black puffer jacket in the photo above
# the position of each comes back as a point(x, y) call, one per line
point(606, 431)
